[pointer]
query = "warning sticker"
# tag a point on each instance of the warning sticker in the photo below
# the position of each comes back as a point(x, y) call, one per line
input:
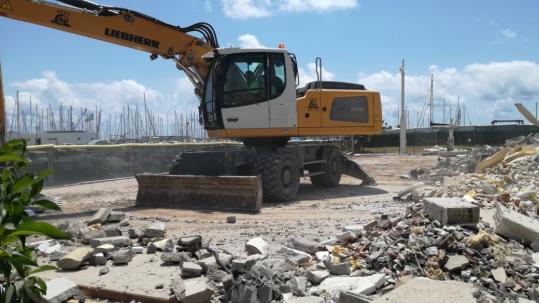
point(6, 5)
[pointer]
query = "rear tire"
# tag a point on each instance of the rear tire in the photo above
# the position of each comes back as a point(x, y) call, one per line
point(280, 175)
point(333, 169)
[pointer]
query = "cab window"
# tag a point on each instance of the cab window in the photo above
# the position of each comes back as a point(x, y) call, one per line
point(277, 75)
point(245, 80)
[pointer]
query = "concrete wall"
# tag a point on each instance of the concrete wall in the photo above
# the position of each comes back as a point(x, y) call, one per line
point(80, 163)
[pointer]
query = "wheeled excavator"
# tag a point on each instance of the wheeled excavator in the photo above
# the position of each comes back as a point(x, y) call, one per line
point(249, 95)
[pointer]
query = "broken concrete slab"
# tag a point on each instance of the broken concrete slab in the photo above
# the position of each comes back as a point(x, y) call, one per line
point(195, 290)
point(165, 245)
point(190, 244)
point(456, 262)
point(75, 258)
point(116, 241)
point(122, 256)
point(339, 269)
point(499, 274)
point(175, 257)
point(350, 297)
point(100, 216)
point(423, 290)
point(317, 276)
point(98, 259)
point(307, 246)
point(115, 217)
point(513, 225)
point(60, 290)
point(451, 211)
point(155, 230)
point(191, 269)
point(257, 246)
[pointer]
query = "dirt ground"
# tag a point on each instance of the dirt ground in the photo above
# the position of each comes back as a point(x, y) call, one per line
point(316, 213)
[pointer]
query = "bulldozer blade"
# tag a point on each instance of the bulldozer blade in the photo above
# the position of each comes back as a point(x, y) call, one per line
point(353, 169)
point(229, 193)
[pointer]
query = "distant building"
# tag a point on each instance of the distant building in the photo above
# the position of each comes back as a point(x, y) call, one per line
point(57, 137)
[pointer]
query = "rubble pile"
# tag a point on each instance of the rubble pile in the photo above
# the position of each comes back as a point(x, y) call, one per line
point(441, 239)
point(509, 175)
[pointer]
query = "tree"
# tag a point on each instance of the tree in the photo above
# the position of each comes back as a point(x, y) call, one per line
point(18, 191)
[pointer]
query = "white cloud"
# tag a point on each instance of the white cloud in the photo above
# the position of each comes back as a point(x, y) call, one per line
point(308, 74)
point(249, 41)
point(245, 9)
point(317, 5)
point(508, 33)
point(488, 91)
point(111, 97)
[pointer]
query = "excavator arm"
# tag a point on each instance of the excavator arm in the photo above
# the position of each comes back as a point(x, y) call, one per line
point(123, 27)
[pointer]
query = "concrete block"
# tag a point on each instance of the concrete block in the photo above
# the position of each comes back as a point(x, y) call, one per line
point(456, 262)
point(98, 259)
point(191, 269)
point(137, 249)
point(357, 229)
point(308, 299)
point(100, 216)
point(105, 249)
point(513, 225)
point(175, 257)
point(451, 211)
point(194, 290)
point(257, 246)
point(423, 290)
point(60, 290)
point(112, 232)
point(122, 256)
point(116, 216)
point(299, 259)
point(86, 234)
point(75, 258)
point(202, 254)
point(317, 276)
point(351, 297)
point(116, 241)
point(190, 244)
point(346, 236)
point(165, 245)
point(340, 269)
point(155, 230)
point(305, 245)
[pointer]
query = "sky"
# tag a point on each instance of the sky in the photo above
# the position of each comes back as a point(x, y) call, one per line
point(482, 54)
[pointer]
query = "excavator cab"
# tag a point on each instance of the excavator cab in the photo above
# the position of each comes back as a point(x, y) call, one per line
point(250, 89)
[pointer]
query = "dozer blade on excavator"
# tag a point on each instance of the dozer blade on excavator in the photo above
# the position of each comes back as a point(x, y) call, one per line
point(231, 193)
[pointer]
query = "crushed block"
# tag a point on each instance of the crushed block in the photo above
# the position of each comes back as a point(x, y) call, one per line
point(60, 290)
point(451, 211)
point(100, 216)
point(513, 225)
point(194, 290)
point(155, 230)
point(122, 256)
point(257, 246)
point(75, 258)
point(116, 241)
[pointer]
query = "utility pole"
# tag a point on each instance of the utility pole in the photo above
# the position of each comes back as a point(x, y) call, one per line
point(444, 112)
point(403, 114)
point(2, 110)
point(431, 100)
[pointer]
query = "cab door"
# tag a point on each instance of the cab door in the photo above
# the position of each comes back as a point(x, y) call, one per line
point(244, 100)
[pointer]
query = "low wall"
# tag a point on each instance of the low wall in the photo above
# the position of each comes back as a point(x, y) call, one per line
point(81, 163)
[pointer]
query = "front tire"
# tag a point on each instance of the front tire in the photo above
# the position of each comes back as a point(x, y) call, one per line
point(280, 175)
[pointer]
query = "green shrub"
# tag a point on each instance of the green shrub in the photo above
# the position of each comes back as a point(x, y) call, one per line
point(18, 190)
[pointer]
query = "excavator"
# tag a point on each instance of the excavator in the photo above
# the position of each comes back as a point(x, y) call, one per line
point(250, 95)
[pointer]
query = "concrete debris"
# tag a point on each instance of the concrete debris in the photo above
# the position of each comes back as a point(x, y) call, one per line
point(317, 276)
point(151, 248)
point(60, 290)
point(451, 211)
point(195, 290)
point(190, 244)
point(351, 297)
point(104, 270)
point(456, 262)
point(101, 216)
point(115, 217)
point(165, 245)
point(421, 290)
point(514, 225)
point(231, 219)
point(75, 259)
point(155, 230)
point(118, 241)
point(122, 256)
point(98, 259)
point(191, 269)
point(175, 257)
point(137, 249)
point(307, 246)
point(257, 246)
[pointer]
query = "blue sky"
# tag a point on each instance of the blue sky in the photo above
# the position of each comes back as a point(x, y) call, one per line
point(485, 52)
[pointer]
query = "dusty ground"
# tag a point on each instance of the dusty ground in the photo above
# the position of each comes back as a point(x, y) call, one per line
point(316, 213)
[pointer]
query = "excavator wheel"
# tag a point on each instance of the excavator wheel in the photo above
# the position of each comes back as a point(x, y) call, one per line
point(280, 175)
point(333, 169)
